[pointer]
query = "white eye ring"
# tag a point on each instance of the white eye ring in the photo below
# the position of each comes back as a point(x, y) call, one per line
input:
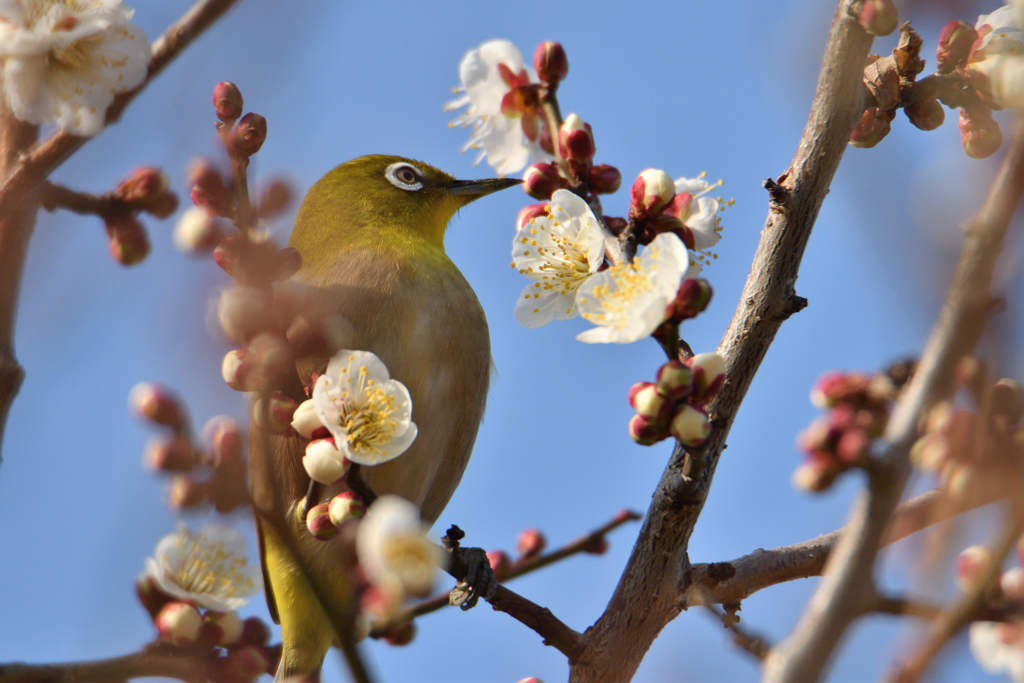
point(392, 171)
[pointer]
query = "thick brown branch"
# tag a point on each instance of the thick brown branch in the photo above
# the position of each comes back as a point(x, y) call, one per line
point(647, 596)
point(154, 660)
point(839, 597)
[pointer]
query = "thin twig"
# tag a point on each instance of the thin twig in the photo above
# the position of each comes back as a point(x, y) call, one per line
point(752, 643)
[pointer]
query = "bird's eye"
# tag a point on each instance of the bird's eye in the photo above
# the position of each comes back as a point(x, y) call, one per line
point(404, 177)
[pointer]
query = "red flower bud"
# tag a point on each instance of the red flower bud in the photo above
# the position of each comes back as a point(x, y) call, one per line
point(145, 185)
point(955, 43)
point(157, 404)
point(926, 114)
point(222, 628)
point(500, 563)
point(275, 198)
point(979, 132)
point(170, 455)
point(401, 634)
point(649, 402)
point(531, 542)
point(872, 127)
point(227, 101)
point(129, 243)
point(691, 426)
point(345, 506)
point(693, 297)
point(708, 376)
point(187, 492)
point(576, 143)
point(878, 17)
point(541, 180)
point(605, 179)
point(178, 623)
point(281, 410)
point(318, 521)
point(244, 663)
point(646, 431)
point(209, 191)
point(225, 441)
point(528, 213)
point(551, 63)
point(255, 632)
point(675, 380)
point(652, 190)
point(248, 135)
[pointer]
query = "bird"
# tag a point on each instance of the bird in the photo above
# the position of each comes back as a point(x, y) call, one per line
point(374, 277)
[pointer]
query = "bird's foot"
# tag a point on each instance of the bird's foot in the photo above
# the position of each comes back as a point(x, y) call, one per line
point(478, 580)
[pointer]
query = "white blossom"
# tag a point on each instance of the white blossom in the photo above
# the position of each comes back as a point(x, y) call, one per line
point(701, 216)
point(394, 550)
point(559, 251)
point(993, 653)
point(64, 60)
point(998, 63)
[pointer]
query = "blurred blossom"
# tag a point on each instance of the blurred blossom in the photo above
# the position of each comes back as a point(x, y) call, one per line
point(393, 548)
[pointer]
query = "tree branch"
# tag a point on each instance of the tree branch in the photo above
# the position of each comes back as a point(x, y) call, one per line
point(647, 596)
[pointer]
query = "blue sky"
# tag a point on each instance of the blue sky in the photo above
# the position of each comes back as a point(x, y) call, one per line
point(722, 88)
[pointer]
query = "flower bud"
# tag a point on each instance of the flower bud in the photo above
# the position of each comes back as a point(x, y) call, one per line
point(652, 190)
point(345, 506)
point(815, 474)
point(196, 232)
point(227, 101)
point(306, 422)
point(500, 563)
point(646, 400)
point(528, 213)
point(708, 376)
point(1008, 400)
point(874, 125)
point(170, 455)
point(248, 135)
point(225, 438)
point(150, 595)
point(598, 546)
point(531, 542)
point(323, 461)
point(605, 179)
point(400, 634)
point(690, 426)
point(646, 431)
point(926, 114)
point(186, 492)
point(955, 43)
point(551, 62)
point(178, 624)
point(531, 679)
point(280, 411)
point(222, 628)
point(541, 180)
point(971, 566)
point(979, 132)
point(209, 191)
point(615, 225)
point(242, 312)
point(663, 222)
point(129, 243)
point(236, 371)
point(576, 142)
point(318, 521)
point(275, 198)
point(157, 404)
point(163, 206)
point(878, 17)
point(255, 632)
point(244, 663)
point(675, 380)
point(853, 446)
point(693, 297)
point(144, 186)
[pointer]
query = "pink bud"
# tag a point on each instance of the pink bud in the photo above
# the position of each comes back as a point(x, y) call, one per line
point(693, 298)
point(236, 371)
point(646, 431)
point(144, 186)
point(248, 135)
point(576, 142)
point(280, 411)
point(401, 634)
point(675, 380)
point(531, 542)
point(255, 632)
point(157, 404)
point(979, 132)
point(878, 17)
point(955, 43)
point(874, 125)
point(196, 232)
point(971, 565)
point(318, 521)
point(531, 679)
point(209, 191)
point(652, 191)
point(926, 114)
point(243, 313)
point(323, 461)
point(227, 101)
point(186, 492)
point(691, 426)
point(647, 401)
point(150, 595)
point(500, 563)
point(551, 62)
point(129, 243)
point(528, 213)
point(815, 474)
point(170, 454)
point(275, 198)
point(708, 376)
point(541, 180)
point(306, 422)
point(178, 624)
point(345, 506)
point(605, 179)
point(226, 441)
point(222, 628)
point(162, 206)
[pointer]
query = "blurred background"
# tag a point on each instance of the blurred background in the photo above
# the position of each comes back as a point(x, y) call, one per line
point(719, 87)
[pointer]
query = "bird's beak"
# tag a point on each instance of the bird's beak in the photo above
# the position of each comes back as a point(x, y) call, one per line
point(470, 190)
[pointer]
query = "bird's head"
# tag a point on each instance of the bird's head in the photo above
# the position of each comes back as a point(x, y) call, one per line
point(382, 197)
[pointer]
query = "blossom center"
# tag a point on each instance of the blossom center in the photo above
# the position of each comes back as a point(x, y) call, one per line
point(628, 283)
point(207, 568)
point(366, 414)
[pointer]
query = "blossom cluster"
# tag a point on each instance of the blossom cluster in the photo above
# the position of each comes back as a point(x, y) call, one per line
point(998, 646)
point(675, 403)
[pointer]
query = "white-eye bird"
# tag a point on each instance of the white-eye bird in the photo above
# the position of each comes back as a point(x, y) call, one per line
point(374, 277)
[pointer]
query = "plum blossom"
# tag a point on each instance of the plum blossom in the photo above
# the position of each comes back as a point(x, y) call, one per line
point(368, 413)
point(501, 99)
point(997, 61)
point(997, 648)
point(699, 213)
point(559, 251)
point(628, 301)
point(64, 61)
point(208, 567)
point(393, 549)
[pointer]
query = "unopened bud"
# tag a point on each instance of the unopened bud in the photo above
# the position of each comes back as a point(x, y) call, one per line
point(244, 663)
point(531, 679)
point(955, 43)
point(144, 186)
point(675, 380)
point(531, 542)
point(878, 17)
point(307, 423)
point(646, 431)
point(280, 411)
point(170, 455)
point(541, 180)
point(551, 62)
point(615, 224)
point(323, 461)
point(500, 563)
point(401, 634)
point(690, 426)
point(222, 628)
point(708, 376)
point(318, 521)
point(163, 206)
point(971, 566)
point(874, 125)
point(1008, 400)
point(605, 179)
point(236, 371)
point(345, 506)
point(652, 191)
point(815, 474)
point(227, 101)
point(528, 213)
point(662, 223)
point(255, 632)
point(196, 232)
point(275, 198)
point(248, 135)
point(208, 189)
point(157, 404)
point(186, 492)
point(225, 438)
point(242, 312)
point(926, 114)
point(576, 143)
point(647, 401)
point(693, 298)
point(150, 595)
point(129, 243)
point(979, 132)
point(178, 624)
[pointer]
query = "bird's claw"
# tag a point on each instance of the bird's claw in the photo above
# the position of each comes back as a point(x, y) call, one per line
point(480, 581)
